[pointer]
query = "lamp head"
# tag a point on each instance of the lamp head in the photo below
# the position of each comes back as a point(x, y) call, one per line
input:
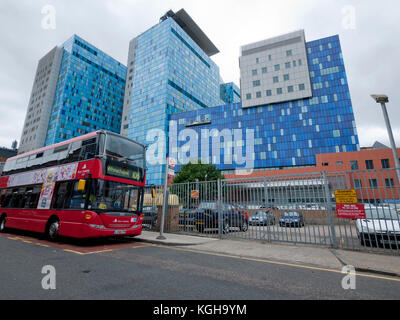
point(380, 98)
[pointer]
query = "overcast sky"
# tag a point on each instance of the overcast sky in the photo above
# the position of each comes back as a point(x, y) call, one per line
point(369, 31)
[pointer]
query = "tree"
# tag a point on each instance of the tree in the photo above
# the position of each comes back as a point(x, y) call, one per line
point(193, 172)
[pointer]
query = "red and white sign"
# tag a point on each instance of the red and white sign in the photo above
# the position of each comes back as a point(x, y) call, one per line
point(350, 211)
point(171, 162)
point(194, 194)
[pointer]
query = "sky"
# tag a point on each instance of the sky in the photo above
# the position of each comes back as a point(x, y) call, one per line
point(369, 32)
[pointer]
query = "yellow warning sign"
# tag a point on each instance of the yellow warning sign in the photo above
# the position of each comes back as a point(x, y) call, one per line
point(346, 196)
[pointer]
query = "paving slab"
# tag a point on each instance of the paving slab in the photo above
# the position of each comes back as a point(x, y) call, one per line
point(295, 254)
point(370, 262)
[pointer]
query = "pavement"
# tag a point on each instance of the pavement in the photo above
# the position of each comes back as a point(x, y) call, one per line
point(315, 256)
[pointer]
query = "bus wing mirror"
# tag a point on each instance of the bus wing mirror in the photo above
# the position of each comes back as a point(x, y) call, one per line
point(81, 185)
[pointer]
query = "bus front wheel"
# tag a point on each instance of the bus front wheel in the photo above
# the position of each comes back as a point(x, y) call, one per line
point(52, 229)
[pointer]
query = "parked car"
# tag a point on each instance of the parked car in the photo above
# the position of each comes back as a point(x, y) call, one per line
point(150, 215)
point(380, 228)
point(208, 216)
point(262, 218)
point(187, 217)
point(243, 209)
point(291, 219)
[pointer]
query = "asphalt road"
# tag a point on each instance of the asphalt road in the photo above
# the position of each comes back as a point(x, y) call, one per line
point(136, 270)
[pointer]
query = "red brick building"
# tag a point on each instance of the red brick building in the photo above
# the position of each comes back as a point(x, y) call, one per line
point(371, 171)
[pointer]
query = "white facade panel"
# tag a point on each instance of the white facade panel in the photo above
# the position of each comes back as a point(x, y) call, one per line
point(275, 70)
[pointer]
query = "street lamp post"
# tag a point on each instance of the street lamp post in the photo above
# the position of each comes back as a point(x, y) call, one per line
point(383, 99)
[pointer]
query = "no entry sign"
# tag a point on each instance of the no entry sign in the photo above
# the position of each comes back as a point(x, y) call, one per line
point(350, 211)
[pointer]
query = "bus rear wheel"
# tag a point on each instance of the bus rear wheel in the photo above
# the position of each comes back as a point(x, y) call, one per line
point(52, 229)
point(3, 220)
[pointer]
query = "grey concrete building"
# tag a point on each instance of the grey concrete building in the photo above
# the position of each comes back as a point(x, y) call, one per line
point(41, 101)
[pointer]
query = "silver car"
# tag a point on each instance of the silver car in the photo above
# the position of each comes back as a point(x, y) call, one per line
point(380, 228)
point(262, 218)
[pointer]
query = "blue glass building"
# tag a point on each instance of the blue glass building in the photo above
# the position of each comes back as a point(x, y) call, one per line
point(89, 92)
point(168, 72)
point(288, 133)
point(230, 93)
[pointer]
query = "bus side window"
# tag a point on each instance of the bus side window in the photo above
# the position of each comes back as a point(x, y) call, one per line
point(62, 195)
point(8, 198)
point(23, 194)
point(77, 197)
point(33, 200)
point(2, 198)
point(14, 199)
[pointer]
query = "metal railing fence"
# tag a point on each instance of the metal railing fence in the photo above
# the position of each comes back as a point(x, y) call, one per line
point(289, 208)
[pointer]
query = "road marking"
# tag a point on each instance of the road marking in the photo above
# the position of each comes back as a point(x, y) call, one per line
point(73, 251)
point(76, 249)
point(277, 263)
point(105, 250)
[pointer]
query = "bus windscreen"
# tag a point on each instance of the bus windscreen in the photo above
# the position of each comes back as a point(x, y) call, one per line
point(125, 158)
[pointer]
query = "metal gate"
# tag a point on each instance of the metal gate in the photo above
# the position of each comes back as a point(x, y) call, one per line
point(294, 208)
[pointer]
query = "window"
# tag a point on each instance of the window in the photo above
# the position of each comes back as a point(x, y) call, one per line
point(258, 94)
point(61, 195)
point(354, 165)
point(23, 198)
point(264, 70)
point(257, 60)
point(32, 195)
point(369, 164)
point(325, 164)
point(286, 77)
point(373, 183)
point(287, 65)
point(385, 164)
point(290, 89)
point(276, 79)
point(256, 83)
point(279, 91)
point(277, 67)
point(302, 87)
point(336, 133)
point(389, 183)
point(289, 53)
point(254, 72)
point(248, 96)
point(357, 184)
point(339, 163)
point(269, 93)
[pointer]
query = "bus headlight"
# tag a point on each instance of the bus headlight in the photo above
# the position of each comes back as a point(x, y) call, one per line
point(96, 226)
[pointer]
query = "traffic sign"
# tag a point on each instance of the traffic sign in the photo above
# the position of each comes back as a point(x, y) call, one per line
point(171, 172)
point(350, 211)
point(346, 196)
point(194, 194)
point(171, 162)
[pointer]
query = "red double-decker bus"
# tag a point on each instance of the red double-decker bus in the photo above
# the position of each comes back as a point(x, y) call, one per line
point(86, 187)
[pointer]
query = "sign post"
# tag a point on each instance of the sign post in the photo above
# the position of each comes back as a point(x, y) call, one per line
point(169, 171)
